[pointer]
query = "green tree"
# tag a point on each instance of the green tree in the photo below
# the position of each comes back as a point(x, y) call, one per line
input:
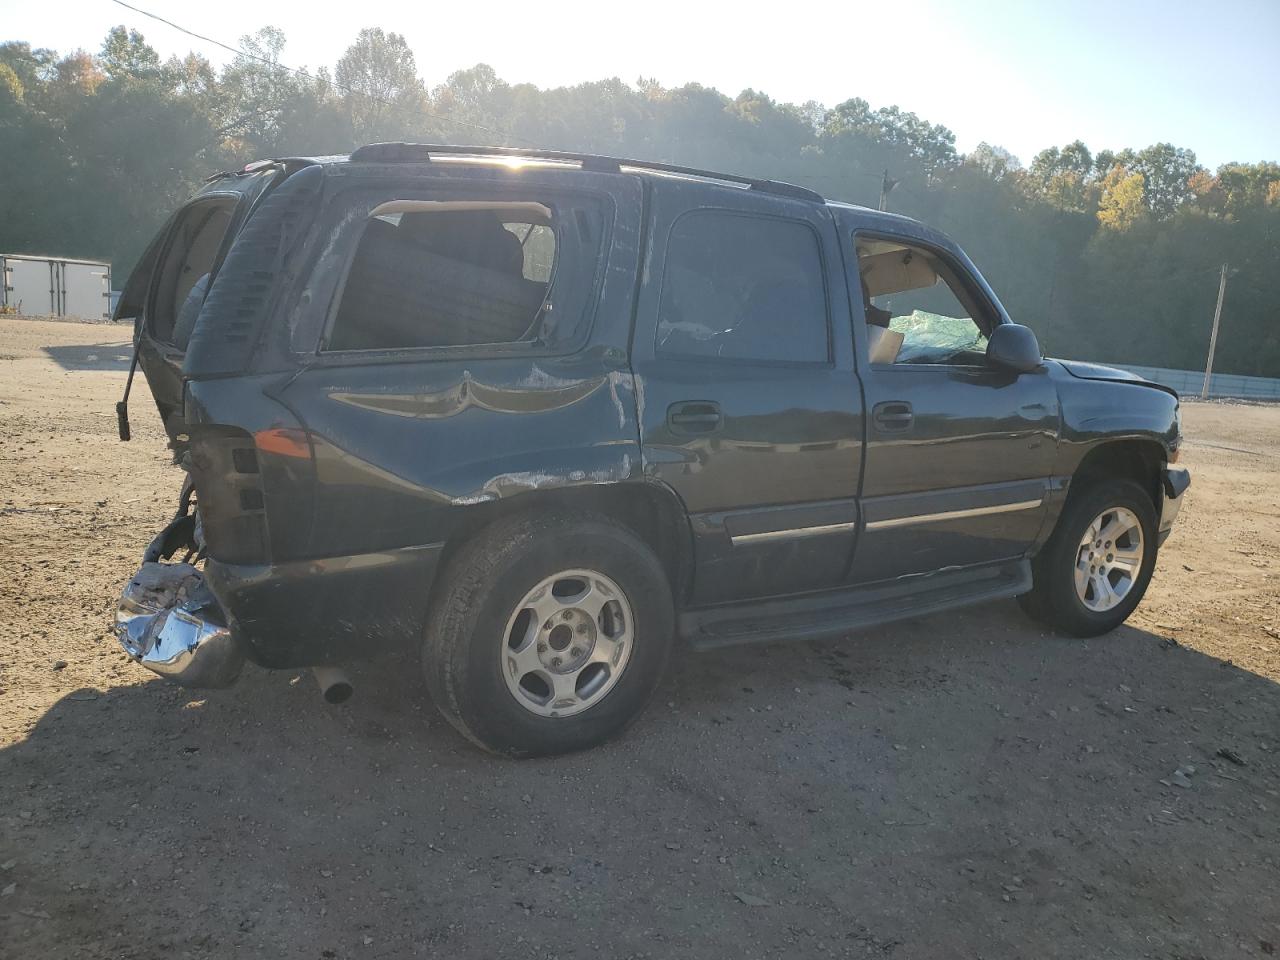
point(11, 89)
point(1166, 173)
point(1245, 185)
point(1063, 177)
point(1123, 200)
point(32, 66)
point(257, 92)
point(126, 55)
point(378, 80)
point(995, 163)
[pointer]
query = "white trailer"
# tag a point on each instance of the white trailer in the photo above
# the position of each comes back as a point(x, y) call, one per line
point(55, 286)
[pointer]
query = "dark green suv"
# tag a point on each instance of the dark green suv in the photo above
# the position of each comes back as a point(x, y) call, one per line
point(539, 414)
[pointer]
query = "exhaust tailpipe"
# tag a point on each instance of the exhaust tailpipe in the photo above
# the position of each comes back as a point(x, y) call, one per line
point(334, 685)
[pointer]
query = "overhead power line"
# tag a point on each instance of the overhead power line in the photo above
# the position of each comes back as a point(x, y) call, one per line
point(307, 76)
point(199, 36)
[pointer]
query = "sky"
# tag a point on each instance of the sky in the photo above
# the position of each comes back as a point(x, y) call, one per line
point(1022, 75)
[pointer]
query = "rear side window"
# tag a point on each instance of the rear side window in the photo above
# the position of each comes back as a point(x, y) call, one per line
point(465, 273)
point(743, 288)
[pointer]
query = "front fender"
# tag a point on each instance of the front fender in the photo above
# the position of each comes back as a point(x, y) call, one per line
point(1096, 412)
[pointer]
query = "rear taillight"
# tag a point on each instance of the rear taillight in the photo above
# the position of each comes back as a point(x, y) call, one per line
point(225, 469)
point(284, 442)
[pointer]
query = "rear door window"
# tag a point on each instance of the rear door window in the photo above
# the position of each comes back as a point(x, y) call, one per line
point(466, 273)
point(741, 287)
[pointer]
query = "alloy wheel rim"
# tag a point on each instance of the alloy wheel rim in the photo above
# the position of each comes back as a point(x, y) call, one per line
point(1109, 559)
point(567, 643)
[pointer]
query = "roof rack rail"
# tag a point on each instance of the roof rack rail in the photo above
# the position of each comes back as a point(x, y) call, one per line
point(400, 152)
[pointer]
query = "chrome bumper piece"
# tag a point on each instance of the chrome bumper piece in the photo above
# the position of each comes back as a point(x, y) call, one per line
point(171, 623)
point(1174, 482)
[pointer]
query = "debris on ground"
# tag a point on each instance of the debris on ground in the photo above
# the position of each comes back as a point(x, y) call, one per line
point(1226, 753)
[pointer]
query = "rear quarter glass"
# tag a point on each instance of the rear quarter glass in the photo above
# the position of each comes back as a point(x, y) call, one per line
point(583, 223)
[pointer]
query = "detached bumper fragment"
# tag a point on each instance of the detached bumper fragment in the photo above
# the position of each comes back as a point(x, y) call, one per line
point(171, 623)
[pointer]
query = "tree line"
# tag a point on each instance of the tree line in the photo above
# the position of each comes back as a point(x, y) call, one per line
point(1109, 255)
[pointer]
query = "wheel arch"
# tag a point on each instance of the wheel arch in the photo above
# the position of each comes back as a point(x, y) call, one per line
point(1133, 458)
point(652, 511)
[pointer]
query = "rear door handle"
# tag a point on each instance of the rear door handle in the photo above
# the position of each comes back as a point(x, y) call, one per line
point(892, 416)
point(694, 417)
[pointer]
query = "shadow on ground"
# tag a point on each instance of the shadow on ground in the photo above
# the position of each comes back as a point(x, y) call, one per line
point(92, 356)
point(961, 786)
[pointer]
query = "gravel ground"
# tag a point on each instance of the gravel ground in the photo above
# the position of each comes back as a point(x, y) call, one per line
point(958, 786)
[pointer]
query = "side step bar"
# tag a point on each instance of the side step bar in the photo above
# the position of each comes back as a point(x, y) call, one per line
point(833, 614)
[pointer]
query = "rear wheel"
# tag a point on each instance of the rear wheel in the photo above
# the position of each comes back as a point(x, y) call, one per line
point(568, 643)
point(548, 634)
point(1094, 570)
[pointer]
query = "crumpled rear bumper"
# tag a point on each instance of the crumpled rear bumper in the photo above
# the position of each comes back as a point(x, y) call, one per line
point(170, 622)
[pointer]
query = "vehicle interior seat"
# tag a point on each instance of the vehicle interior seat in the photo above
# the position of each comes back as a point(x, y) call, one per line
point(455, 281)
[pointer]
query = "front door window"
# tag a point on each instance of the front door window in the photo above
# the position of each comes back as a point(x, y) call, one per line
point(916, 309)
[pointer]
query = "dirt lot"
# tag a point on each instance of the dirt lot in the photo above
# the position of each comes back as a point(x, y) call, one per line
point(959, 786)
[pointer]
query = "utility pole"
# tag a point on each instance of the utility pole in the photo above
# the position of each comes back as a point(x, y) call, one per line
point(886, 184)
point(1213, 337)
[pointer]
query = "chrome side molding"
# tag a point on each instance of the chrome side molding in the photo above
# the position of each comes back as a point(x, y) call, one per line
point(953, 514)
point(794, 533)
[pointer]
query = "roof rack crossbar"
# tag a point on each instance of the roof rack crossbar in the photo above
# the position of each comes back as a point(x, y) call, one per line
point(421, 152)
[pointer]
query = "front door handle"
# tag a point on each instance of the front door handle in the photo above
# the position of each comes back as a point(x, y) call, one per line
point(694, 417)
point(892, 416)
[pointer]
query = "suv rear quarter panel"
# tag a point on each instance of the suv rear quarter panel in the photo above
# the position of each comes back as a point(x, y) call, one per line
point(404, 443)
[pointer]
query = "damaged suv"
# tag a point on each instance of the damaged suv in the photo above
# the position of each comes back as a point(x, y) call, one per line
point(540, 414)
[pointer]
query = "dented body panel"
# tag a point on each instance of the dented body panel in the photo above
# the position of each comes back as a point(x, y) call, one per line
point(399, 448)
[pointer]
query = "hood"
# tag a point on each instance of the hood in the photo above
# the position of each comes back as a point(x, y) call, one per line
point(1083, 370)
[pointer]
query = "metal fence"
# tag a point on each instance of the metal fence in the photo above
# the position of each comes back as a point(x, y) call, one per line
point(1188, 383)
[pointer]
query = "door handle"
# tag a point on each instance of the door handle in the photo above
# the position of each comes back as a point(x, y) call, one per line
point(892, 416)
point(694, 417)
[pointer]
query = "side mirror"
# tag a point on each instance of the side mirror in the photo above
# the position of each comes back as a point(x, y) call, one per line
point(1014, 347)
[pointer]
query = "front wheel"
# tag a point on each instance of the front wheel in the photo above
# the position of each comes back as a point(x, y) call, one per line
point(548, 634)
point(1094, 570)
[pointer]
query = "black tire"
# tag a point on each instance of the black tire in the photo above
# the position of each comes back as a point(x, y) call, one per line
point(481, 588)
point(1053, 598)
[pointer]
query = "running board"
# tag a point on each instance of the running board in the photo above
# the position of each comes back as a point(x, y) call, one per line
point(833, 614)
